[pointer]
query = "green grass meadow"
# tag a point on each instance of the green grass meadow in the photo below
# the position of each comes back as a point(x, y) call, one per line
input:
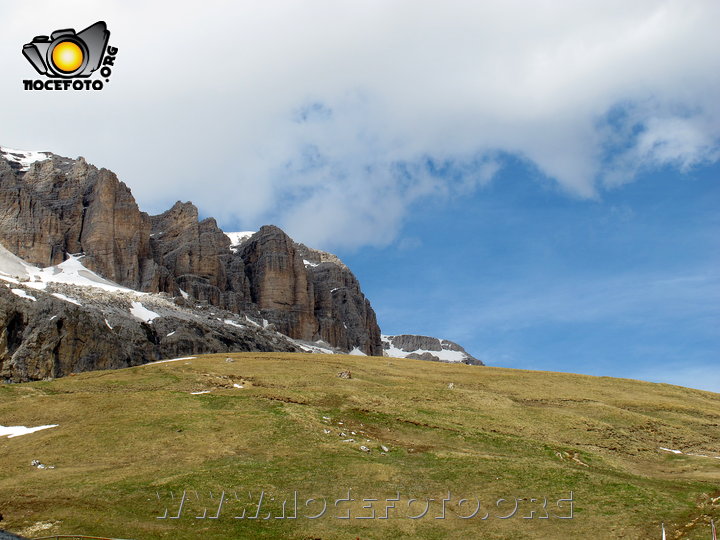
point(504, 444)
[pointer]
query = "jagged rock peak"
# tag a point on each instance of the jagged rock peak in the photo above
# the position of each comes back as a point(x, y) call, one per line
point(185, 209)
point(313, 257)
point(51, 207)
point(306, 300)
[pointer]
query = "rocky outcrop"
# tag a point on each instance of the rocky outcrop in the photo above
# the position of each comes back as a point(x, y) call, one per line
point(44, 336)
point(308, 294)
point(195, 257)
point(58, 206)
point(343, 314)
point(426, 348)
point(207, 293)
point(279, 284)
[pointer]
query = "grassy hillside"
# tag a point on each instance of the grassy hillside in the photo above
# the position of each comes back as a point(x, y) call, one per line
point(128, 439)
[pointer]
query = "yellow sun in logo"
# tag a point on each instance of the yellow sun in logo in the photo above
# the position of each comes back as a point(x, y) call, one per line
point(67, 56)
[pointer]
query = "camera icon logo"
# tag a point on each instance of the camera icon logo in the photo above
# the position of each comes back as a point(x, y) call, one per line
point(67, 54)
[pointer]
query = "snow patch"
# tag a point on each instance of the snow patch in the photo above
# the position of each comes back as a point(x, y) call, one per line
point(184, 294)
point(308, 263)
point(37, 285)
point(7, 278)
point(233, 323)
point(445, 355)
point(318, 347)
point(201, 392)
point(237, 238)
point(108, 324)
point(141, 312)
point(17, 431)
point(70, 272)
point(171, 360)
point(248, 319)
point(357, 352)
point(11, 265)
point(686, 453)
point(22, 294)
point(63, 297)
point(23, 158)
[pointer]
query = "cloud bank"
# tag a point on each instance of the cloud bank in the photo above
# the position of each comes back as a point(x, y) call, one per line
point(336, 120)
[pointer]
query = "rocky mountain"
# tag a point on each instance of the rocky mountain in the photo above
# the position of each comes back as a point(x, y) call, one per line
point(427, 348)
point(51, 206)
point(65, 319)
point(89, 281)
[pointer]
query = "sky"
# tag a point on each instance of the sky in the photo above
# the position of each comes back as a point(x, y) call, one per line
point(537, 181)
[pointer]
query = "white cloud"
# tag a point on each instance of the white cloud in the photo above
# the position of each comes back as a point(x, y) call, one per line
point(321, 116)
point(677, 141)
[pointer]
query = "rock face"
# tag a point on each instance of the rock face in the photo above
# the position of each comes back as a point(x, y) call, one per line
point(426, 348)
point(45, 336)
point(279, 284)
point(61, 206)
point(308, 294)
point(194, 256)
point(52, 206)
point(213, 292)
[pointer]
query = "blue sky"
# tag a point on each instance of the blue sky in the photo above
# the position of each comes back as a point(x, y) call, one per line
point(626, 285)
point(535, 180)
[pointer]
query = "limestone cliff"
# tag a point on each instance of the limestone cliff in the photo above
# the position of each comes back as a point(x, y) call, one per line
point(60, 206)
point(51, 206)
point(308, 294)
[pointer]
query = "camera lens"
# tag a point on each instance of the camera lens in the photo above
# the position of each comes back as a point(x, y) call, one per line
point(67, 56)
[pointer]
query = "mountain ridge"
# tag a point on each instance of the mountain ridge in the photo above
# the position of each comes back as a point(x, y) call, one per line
point(58, 206)
point(427, 348)
point(54, 209)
